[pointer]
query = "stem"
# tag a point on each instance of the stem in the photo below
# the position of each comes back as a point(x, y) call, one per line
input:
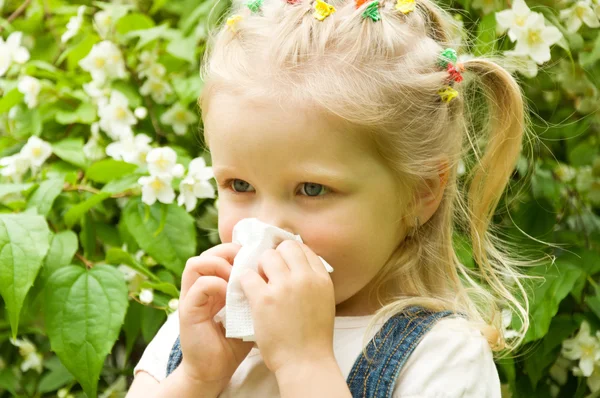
point(88, 263)
point(17, 13)
point(69, 187)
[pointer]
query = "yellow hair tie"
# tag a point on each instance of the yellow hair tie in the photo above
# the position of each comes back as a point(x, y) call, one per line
point(232, 22)
point(447, 93)
point(405, 6)
point(323, 10)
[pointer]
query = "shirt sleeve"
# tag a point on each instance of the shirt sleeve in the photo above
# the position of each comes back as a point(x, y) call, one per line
point(453, 360)
point(156, 355)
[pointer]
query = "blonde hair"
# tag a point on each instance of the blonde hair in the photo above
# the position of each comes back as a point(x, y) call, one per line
point(383, 79)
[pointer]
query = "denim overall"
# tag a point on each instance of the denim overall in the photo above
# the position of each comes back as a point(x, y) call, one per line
point(387, 352)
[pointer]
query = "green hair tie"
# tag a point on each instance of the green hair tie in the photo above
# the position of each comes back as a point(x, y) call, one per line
point(447, 56)
point(255, 5)
point(372, 11)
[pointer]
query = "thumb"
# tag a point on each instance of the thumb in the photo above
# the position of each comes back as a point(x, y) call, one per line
point(252, 284)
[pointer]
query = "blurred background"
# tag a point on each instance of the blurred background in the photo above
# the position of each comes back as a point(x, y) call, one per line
point(105, 190)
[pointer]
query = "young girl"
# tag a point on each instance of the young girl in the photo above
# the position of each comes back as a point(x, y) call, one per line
point(345, 123)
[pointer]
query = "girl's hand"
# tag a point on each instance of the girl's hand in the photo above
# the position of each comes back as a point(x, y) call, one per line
point(294, 311)
point(208, 356)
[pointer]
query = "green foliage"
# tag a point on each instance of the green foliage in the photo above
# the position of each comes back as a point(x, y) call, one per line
point(88, 222)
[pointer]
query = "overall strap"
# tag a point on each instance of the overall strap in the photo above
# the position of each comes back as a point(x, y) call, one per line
point(389, 350)
point(175, 357)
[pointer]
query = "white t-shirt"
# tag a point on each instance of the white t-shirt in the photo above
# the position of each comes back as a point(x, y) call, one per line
point(452, 360)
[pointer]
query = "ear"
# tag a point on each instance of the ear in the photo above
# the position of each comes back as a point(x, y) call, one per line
point(430, 192)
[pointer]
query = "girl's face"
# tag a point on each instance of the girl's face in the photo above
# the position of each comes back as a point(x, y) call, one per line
point(300, 171)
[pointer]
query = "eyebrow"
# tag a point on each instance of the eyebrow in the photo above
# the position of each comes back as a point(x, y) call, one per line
point(320, 173)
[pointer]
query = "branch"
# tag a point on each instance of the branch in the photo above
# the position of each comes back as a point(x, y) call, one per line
point(17, 13)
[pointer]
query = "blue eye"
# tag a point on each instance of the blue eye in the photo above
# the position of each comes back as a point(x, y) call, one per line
point(314, 188)
point(311, 190)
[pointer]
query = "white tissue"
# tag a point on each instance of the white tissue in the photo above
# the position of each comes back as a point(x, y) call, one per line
point(255, 237)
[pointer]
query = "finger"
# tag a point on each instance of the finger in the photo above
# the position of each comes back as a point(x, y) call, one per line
point(197, 267)
point(228, 251)
point(252, 285)
point(294, 256)
point(202, 290)
point(272, 266)
point(314, 260)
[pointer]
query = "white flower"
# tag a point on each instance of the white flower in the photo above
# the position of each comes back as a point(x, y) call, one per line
point(128, 272)
point(196, 184)
point(104, 62)
point(162, 161)
point(197, 169)
point(131, 149)
point(173, 304)
point(146, 296)
point(30, 87)
point(584, 347)
point(103, 22)
point(32, 359)
point(92, 149)
point(514, 19)
point(147, 59)
point(18, 53)
point(155, 71)
point(506, 322)
point(179, 118)
point(64, 393)
point(520, 63)
point(559, 370)
point(14, 166)
point(536, 38)
point(593, 380)
point(115, 116)
point(460, 168)
point(36, 151)
point(140, 112)
point(73, 25)
point(158, 89)
point(581, 12)
point(157, 187)
point(5, 57)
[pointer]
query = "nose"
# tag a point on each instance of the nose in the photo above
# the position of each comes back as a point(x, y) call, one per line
point(275, 215)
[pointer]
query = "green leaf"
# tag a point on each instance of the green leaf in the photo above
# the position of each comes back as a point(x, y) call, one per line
point(24, 242)
point(149, 35)
point(7, 189)
point(152, 319)
point(79, 51)
point(183, 48)
point(583, 154)
point(109, 169)
point(164, 287)
point(10, 99)
point(43, 197)
point(122, 184)
point(589, 58)
point(486, 35)
point(84, 313)
point(58, 376)
point(63, 247)
point(75, 212)
point(132, 327)
point(87, 236)
point(134, 21)
point(559, 281)
point(27, 122)
point(130, 91)
point(71, 150)
point(85, 113)
point(175, 243)
point(117, 256)
point(187, 89)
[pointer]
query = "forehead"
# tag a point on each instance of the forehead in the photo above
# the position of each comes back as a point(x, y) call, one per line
point(244, 133)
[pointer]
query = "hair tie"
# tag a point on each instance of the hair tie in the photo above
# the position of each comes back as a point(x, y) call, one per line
point(233, 21)
point(323, 10)
point(405, 6)
point(359, 3)
point(255, 5)
point(372, 11)
point(448, 60)
point(447, 93)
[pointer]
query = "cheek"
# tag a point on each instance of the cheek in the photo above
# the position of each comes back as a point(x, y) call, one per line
point(228, 217)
